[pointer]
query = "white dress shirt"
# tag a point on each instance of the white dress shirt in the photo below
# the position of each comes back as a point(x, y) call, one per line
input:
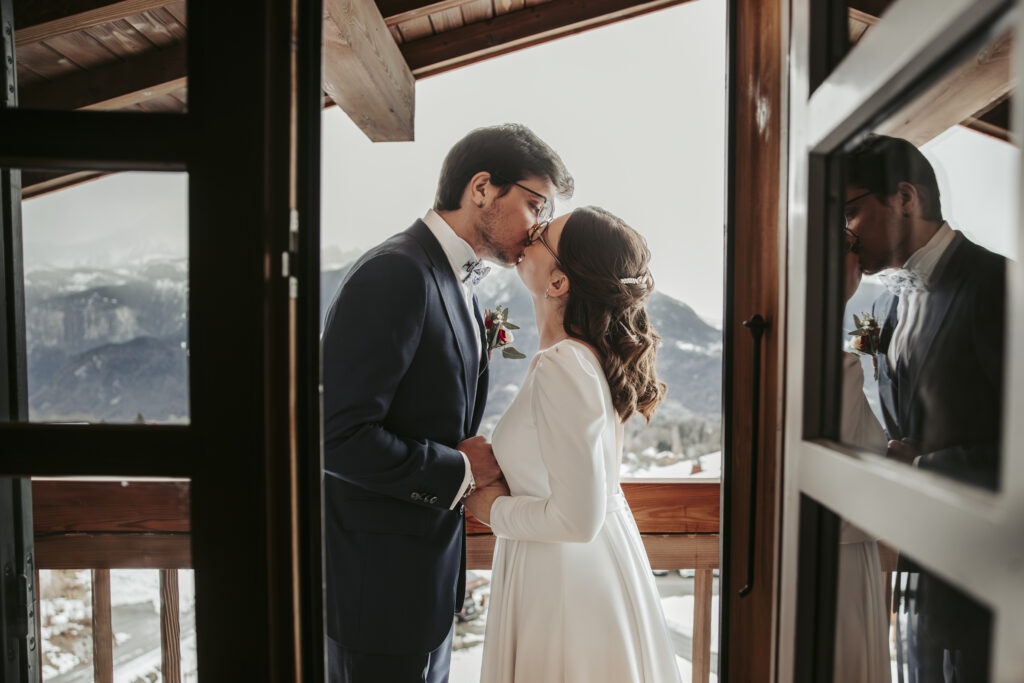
point(913, 305)
point(458, 252)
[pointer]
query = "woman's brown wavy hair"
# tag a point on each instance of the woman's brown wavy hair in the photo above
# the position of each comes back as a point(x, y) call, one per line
point(597, 250)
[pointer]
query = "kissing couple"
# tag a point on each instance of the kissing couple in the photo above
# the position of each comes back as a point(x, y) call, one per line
point(405, 369)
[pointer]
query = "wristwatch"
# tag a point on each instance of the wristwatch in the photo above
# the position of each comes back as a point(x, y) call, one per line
point(472, 480)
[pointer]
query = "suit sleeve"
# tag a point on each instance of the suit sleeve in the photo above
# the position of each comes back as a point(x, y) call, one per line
point(569, 414)
point(370, 339)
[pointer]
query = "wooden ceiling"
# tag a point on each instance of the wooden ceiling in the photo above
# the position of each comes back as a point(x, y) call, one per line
point(131, 54)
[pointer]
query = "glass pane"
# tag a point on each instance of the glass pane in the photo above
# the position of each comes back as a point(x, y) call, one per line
point(678, 592)
point(360, 210)
point(106, 299)
point(895, 620)
point(95, 619)
point(929, 210)
point(132, 61)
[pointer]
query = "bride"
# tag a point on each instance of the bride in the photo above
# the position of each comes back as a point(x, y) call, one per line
point(573, 599)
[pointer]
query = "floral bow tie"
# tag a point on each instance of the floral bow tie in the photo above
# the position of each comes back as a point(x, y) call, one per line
point(475, 270)
point(901, 281)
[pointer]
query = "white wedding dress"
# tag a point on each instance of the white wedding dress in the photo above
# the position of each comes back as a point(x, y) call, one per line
point(572, 599)
point(862, 618)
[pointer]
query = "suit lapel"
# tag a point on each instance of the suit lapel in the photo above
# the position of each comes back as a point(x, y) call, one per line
point(458, 316)
point(948, 283)
point(482, 376)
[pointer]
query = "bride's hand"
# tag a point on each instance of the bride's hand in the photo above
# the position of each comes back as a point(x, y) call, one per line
point(483, 498)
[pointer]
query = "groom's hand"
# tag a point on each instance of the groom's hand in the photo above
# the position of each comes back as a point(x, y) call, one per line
point(480, 503)
point(904, 451)
point(481, 460)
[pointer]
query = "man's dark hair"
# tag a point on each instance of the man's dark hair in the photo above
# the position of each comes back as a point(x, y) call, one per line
point(509, 152)
point(880, 163)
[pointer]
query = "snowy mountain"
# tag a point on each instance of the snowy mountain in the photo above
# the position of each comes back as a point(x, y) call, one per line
point(113, 343)
point(689, 360)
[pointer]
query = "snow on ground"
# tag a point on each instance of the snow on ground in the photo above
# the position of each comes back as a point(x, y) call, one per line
point(711, 468)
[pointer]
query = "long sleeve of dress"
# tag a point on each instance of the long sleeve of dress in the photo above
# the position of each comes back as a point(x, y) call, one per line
point(568, 410)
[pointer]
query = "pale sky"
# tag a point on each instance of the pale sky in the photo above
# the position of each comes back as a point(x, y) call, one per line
point(635, 109)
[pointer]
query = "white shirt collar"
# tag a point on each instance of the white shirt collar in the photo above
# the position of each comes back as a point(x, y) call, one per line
point(923, 261)
point(455, 248)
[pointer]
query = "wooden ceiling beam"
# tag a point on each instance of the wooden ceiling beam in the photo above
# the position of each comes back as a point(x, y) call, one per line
point(516, 30)
point(365, 73)
point(37, 183)
point(975, 85)
point(113, 86)
point(35, 20)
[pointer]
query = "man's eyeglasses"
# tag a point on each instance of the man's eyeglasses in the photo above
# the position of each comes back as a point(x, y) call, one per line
point(537, 234)
point(545, 212)
point(851, 241)
point(846, 218)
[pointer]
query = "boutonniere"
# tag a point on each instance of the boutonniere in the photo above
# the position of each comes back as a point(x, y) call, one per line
point(499, 333)
point(865, 338)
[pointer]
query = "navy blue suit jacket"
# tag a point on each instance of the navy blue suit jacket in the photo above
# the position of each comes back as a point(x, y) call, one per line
point(402, 386)
point(948, 399)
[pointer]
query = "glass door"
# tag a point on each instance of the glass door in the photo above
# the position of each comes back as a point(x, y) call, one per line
point(903, 490)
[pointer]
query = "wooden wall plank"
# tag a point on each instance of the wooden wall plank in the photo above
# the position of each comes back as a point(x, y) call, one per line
point(27, 76)
point(114, 86)
point(417, 28)
point(110, 506)
point(446, 20)
point(121, 38)
point(396, 34)
point(421, 11)
point(169, 23)
point(170, 627)
point(178, 11)
point(507, 6)
point(45, 61)
point(365, 73)
point(35, 21)
point(102, 628)
point(82, 49)
point(478, 10)
point(114, 551)
point(156, 30)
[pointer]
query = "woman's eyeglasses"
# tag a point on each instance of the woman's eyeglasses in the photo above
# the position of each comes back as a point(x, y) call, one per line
point(537, 234)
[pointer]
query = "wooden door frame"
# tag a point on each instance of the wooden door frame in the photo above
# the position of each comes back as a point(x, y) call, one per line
point(249, 451)
point(755, 265)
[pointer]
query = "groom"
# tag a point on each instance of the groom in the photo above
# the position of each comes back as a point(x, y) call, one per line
point(404, 386)
point(940, 362)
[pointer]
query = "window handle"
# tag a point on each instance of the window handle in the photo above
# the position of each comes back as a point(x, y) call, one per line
point(757, 325)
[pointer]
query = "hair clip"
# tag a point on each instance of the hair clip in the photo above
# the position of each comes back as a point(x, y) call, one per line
point(641, 283)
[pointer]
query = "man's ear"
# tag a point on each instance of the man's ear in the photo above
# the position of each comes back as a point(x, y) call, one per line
point(480, 189)
point(909, 197)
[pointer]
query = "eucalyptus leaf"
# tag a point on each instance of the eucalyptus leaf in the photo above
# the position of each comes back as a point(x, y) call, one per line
point(510, 352)
point(510, 326)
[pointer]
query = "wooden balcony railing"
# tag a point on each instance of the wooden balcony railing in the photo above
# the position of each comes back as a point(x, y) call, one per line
point(104, 525)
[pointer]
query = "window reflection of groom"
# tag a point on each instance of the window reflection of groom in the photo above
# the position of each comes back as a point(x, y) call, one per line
point(940, 362)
